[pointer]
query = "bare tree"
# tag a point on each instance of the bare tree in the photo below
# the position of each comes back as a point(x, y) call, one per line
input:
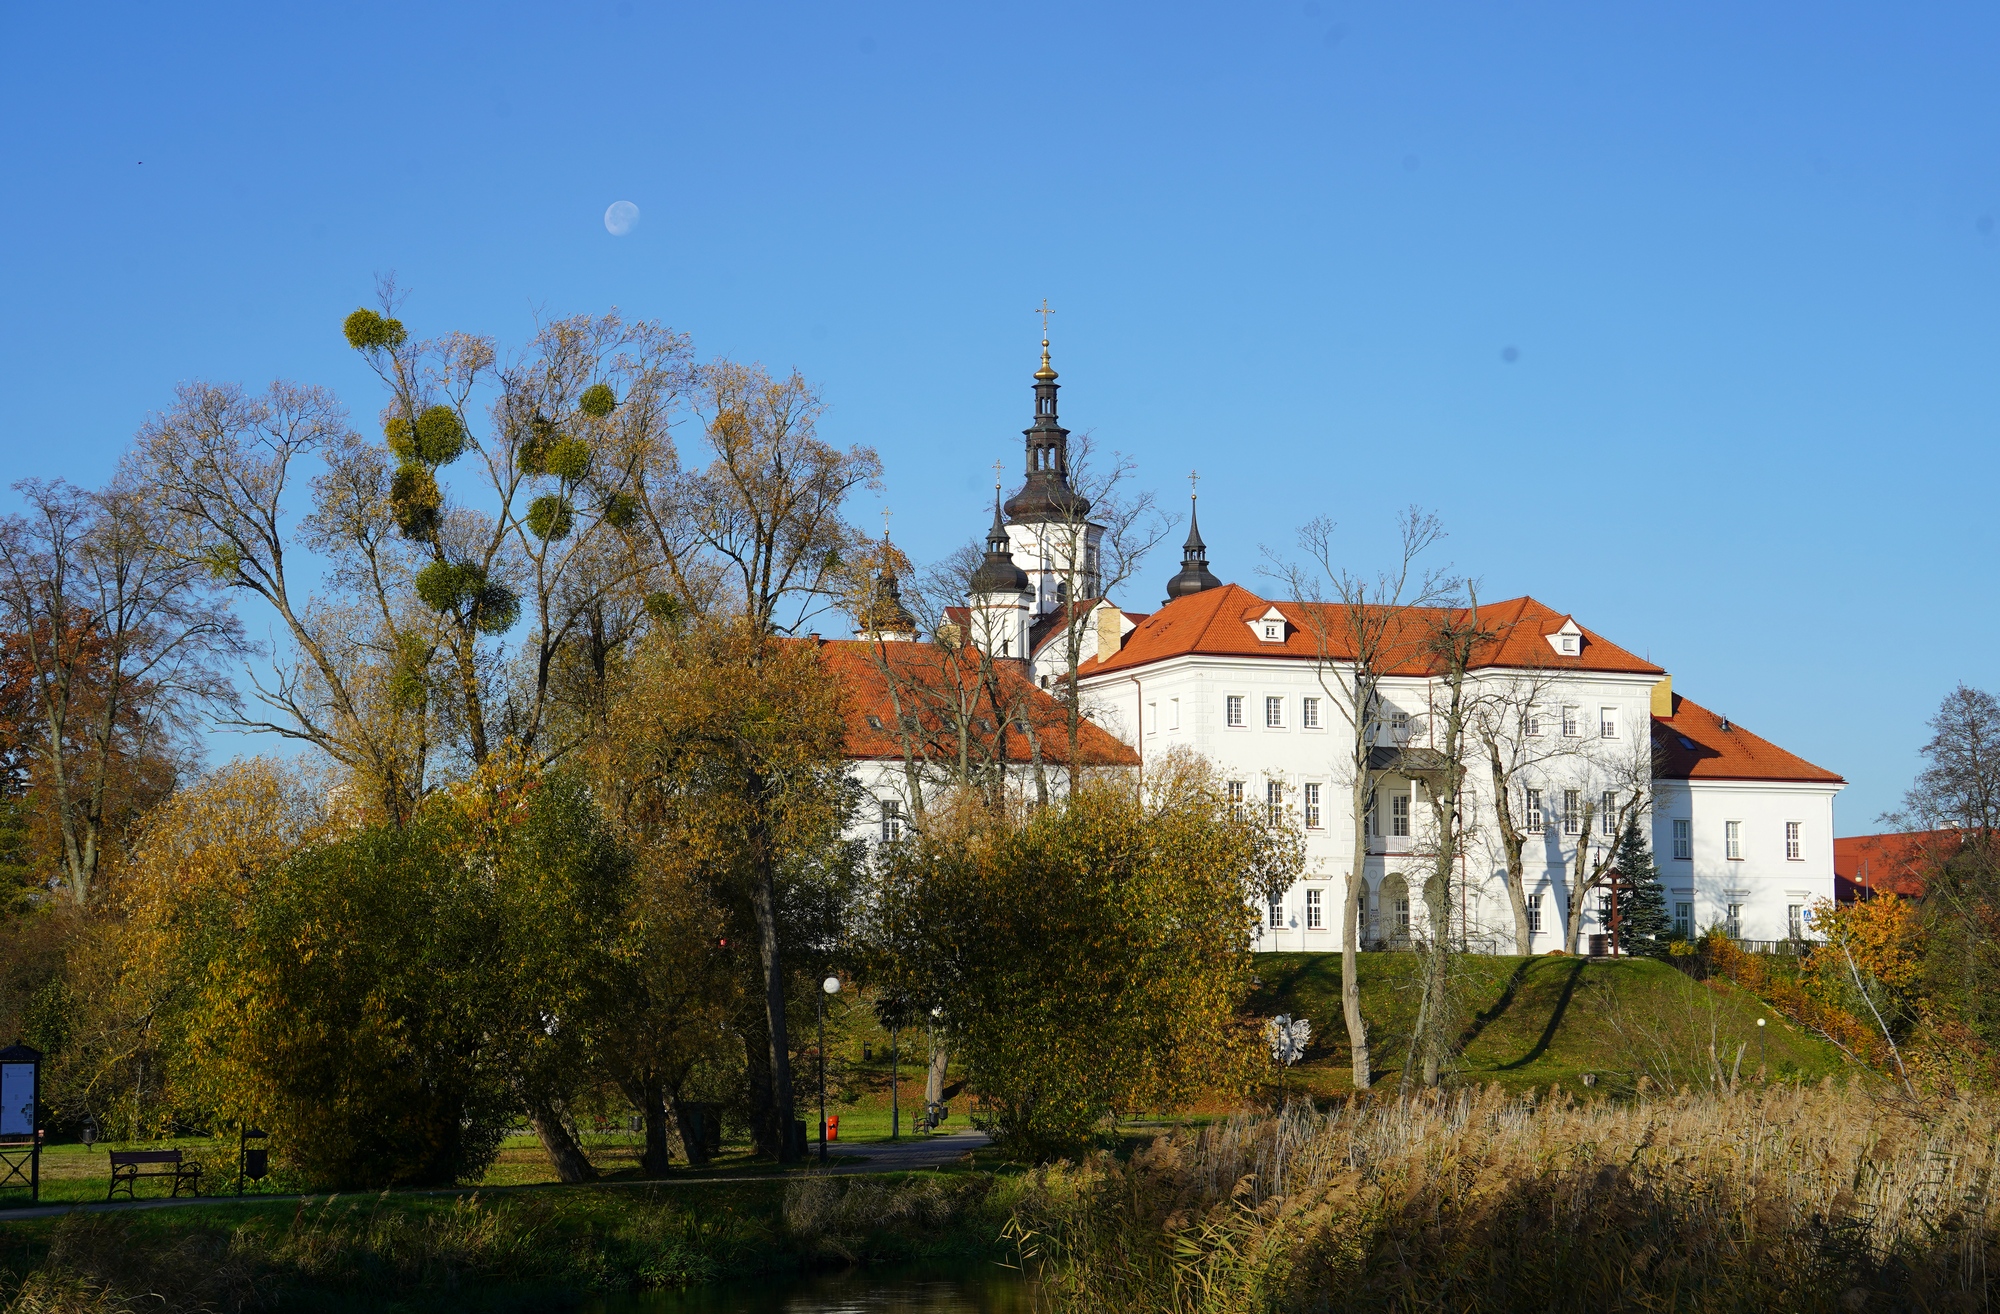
point(1453, 639)
point(1362, 628)
point(1959, 786)
point(1509, 721)
point(1602, 792)
point(123, 641)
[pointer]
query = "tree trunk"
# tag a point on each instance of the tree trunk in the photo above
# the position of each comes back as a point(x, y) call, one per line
point(1511, 844)
point(658, 1155)
point(693, 1144)
point(1350, 932)
point(767, 1137)
point(934, 1076)
point(764, 902)
point(1578, 885)
point(565, 1155)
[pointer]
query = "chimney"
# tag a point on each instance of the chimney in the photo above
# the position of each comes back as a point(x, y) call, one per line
point(1663, 697)
point(1110, 632)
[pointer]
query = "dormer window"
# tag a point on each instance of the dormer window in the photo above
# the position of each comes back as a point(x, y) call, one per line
point(1568, 639)
point(1270, 627)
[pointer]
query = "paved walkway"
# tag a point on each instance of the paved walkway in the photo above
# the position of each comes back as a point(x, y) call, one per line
point(908, 1155)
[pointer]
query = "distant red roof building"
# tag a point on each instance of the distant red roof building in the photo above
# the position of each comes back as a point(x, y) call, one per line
point(1867, 865)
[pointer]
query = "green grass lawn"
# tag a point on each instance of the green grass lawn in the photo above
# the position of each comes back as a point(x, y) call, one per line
point(1542, 1021)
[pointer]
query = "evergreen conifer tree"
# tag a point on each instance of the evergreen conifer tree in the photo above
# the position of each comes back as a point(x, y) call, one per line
point(1644, 926)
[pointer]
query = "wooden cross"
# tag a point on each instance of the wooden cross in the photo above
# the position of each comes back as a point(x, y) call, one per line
point(1044, 311)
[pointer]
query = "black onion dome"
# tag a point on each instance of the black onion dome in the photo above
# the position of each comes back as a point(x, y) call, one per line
point(1194, 576)
point(998, 573)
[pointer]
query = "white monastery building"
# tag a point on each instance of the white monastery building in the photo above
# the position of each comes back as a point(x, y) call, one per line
point(1578, 728)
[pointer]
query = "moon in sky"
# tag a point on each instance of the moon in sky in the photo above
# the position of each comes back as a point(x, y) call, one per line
point(621, 218)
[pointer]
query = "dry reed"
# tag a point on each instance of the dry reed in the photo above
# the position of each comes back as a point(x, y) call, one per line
point(1758, 1199)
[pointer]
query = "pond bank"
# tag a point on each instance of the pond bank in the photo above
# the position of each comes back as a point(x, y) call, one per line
point(528, 1250)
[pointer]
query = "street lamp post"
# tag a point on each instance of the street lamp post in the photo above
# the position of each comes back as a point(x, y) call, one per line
point(1760, 1044)
point(830, 986)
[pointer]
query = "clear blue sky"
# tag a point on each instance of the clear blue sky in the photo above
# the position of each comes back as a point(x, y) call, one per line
point(1746, 258)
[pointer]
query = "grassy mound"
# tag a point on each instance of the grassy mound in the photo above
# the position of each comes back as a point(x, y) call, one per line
point(1542, 1021)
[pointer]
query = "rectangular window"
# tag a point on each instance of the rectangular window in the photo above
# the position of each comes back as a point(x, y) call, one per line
point(1532, 723)
point(1399, 814)
point(1795, 920)
point(1173, 713)
point(1274, 913)
point(1312, 807)
point(1371, 819)
point(1608, 809)
point(1607, 722)
point(1315, 918)
point(1684, 920)
point(1399, 724)
point(1572, 811)
point(1152, 718)
point(892, 820)
point(1309, 713)
point(1234, 789)
point(1233, 710)
point(1274, 713)
point(1403, 914)
point(1732, 925)
point(1732, 839)
point(1534, 811)
point(1572, 725)
point(1534, 914)
point(1274, 801)
point(1794, 841)
point(1683, 839)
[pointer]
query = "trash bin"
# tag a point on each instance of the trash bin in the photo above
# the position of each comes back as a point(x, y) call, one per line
point(833, 1127)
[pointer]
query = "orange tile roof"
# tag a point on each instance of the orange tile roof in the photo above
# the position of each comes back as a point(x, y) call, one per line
point(918, 668)
point(1216, 622)
point(1697, 744)
point(1867, 865)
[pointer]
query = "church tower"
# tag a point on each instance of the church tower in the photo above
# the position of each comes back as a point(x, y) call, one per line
point(1048, 525)
point(1000, 594)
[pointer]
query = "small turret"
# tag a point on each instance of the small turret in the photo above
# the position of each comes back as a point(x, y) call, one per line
point(1194, 576)
point(887, 620)
point(1000, 593)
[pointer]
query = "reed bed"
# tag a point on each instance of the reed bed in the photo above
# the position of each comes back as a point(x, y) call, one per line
point(1778, 1199)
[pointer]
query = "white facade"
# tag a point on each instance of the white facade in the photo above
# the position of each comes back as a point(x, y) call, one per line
point(1274, 722)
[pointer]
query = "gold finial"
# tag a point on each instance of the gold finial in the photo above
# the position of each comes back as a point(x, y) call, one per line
point(1047, 371)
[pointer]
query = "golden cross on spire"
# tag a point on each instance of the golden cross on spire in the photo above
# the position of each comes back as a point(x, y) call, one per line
point(1044, 311)
point(1194, 478)
point(886, 513)
point(999, 468)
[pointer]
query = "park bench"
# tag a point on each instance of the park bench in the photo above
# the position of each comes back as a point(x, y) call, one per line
point(128, 1166)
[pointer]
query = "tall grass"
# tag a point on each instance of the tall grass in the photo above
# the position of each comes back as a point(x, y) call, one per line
point(537, 1250)
point(1784, 1199)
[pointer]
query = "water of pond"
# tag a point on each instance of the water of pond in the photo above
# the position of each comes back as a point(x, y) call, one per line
point(985, 1290)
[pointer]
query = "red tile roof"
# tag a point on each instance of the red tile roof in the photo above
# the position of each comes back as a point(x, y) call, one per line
point(1216, 622)
point(924, 679)
point(1697, 744)
point(1867, 865)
